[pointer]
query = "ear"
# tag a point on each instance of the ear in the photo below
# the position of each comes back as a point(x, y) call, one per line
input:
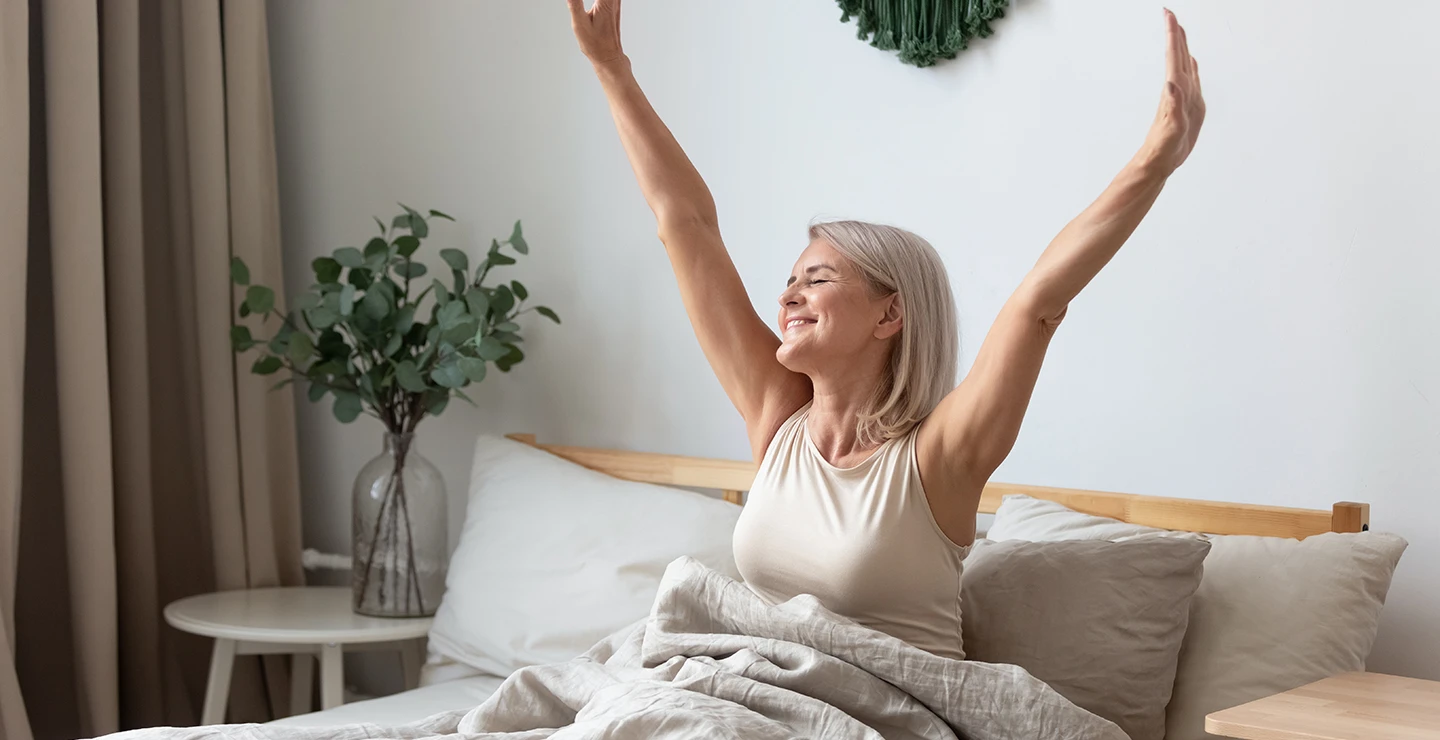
point(893, 320)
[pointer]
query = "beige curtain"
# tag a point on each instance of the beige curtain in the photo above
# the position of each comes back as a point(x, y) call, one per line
point(138, 462)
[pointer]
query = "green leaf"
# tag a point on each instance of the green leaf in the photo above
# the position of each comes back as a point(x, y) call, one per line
point(502, 301)
point(323, 317)
point(448, 375)
point(500, 260)
point(410, 270)
point(347, 300)
point(266, 365)
point(505, 337)
point(306, 301)
point(450, 314)
point(519, 289)
point(327, 270)
point(375, 305)
point(393, 345)
point(301, 348)
point(379, 223)
point(332, 344)
point(360, 278)
point(347, 406)
point(436, 401)
point(442, 296)
point(510, 360)
point(376, 248)
point(508, 326)
point(409, 377)
point(244, 309)
point(401, 222)
point(317, 391)
point(456, 259)
point(239, 273)
point(280, 343)
point(473, 368)
point(349, 257)
point(260, 299)
point(491, 349)
point(517, 240)
point(240, 338)
point(461, 332)
point(547, 313)
point(478, 302)
point(404, 319)
point(418, 227)
point(406, 245)
point(436, 214)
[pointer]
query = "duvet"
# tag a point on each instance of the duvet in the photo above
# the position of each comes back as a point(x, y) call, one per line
point(714, 660)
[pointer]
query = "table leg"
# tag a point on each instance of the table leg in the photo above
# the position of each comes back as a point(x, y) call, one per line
point(217, 688)
point(411, 658)
point(302, 682)
point(332, 676)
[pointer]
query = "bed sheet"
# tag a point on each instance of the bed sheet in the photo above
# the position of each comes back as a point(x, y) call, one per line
point(404, 707)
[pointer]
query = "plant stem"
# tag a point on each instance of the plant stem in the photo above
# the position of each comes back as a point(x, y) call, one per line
point(374, 539)
point(402, 451)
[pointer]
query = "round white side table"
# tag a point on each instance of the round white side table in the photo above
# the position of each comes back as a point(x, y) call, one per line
point(302, 622)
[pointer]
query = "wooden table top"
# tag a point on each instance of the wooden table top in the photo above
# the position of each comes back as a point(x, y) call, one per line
point(1358, 706)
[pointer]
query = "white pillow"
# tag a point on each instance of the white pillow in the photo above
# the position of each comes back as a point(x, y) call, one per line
point(553, 557)
point(1271, 613)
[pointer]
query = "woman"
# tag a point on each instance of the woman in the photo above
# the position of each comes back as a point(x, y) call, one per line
point(872, 461)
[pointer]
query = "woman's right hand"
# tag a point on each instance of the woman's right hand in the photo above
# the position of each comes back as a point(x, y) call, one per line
point(597, 29)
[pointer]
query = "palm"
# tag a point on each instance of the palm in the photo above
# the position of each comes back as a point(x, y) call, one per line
point(1182, 106)
point(598, 29)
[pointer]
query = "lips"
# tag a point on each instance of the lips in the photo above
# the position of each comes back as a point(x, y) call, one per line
point(796, 321)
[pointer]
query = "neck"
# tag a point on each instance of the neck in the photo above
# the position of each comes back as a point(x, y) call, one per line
point(835, 411)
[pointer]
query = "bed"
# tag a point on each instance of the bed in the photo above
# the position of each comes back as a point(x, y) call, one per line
point(1030, 516)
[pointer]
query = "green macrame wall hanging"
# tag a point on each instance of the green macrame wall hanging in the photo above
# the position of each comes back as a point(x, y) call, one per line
point(923, 31)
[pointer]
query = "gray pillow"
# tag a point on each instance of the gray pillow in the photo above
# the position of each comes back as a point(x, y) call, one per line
point(1271, 613)
point(1101, 622)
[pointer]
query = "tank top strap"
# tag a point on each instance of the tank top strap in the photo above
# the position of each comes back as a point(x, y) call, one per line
point(787, 438)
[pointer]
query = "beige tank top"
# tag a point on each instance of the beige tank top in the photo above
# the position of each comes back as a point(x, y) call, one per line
point(862, 540)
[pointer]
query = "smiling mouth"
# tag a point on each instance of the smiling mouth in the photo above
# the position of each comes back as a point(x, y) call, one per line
point(792, 323)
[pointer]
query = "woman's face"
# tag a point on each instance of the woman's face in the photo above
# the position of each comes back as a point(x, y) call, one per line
point(829, 316)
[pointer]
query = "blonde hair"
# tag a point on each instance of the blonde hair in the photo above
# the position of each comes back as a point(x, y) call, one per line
point(923, 361)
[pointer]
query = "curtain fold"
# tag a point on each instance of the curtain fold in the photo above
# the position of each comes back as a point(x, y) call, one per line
point(138, 463)
point(14, 205)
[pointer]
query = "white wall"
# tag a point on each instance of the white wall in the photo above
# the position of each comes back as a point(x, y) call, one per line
point(1269, 334)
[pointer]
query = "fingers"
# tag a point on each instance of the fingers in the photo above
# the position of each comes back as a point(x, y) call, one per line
point(577, 10)
point(1175, 54)
point(1185, 61)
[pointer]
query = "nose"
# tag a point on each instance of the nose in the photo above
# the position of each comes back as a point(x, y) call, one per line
point(790, 296)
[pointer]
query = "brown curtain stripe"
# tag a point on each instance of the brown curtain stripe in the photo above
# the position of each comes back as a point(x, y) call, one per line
point(138, 463)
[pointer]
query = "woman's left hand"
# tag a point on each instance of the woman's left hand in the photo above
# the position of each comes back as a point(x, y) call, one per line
point(1182, 107)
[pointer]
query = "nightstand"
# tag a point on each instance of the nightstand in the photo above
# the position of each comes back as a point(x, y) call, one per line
point(303, 622)
point(1372, 706)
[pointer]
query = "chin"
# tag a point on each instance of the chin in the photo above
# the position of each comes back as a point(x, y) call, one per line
point(793, 358)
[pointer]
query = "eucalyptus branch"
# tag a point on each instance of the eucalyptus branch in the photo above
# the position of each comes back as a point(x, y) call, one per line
point(380, 357)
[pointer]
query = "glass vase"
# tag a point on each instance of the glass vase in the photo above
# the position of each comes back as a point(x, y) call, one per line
point(399, 530)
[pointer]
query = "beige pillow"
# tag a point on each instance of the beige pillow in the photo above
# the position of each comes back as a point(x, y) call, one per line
point(1101, 622)
point(1271, 614)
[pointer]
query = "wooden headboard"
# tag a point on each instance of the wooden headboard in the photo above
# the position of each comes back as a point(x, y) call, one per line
point(733, 479)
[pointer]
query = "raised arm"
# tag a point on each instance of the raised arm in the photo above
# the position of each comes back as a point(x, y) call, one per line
point(974, 428)
point(736, 341)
